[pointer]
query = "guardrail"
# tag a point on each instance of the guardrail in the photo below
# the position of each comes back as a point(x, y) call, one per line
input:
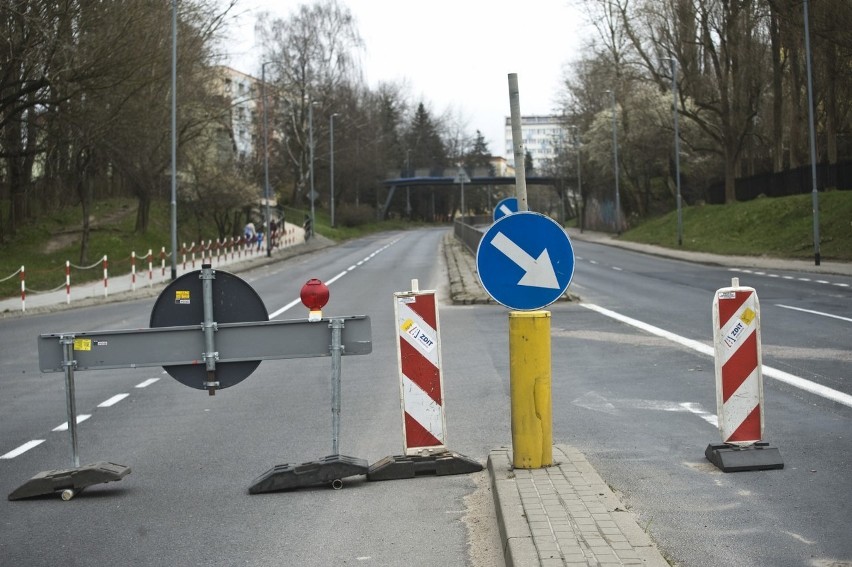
point(467, 230)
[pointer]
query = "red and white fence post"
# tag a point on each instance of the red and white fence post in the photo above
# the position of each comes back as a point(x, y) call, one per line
point(23, 290)
point(133, 271)
point(150, 268)
point(106, 278)
point(424, 425)
point(67, 282)
point(739, 383)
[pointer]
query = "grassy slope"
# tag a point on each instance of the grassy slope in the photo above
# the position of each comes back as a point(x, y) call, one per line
point(781, 227)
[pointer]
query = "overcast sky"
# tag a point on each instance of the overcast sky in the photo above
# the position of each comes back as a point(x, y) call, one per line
point(453, 54)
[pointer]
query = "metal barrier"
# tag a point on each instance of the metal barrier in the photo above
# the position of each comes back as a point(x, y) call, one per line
point(465, 229)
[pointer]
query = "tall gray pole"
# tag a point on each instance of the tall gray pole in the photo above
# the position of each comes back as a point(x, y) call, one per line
point(174, 141)
point(331, 167)
point(677, 152)
point(311, 142)
point(518, 143)
point(812, 134)
point(615, 166)
point(265, 157)
point(579, 177)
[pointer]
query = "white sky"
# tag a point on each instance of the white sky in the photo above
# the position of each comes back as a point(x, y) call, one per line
point(454, 55)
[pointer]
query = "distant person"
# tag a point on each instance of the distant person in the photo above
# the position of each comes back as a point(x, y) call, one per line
point(260, 240)
point(308, 225)
point(273, 234)
point(249, 233)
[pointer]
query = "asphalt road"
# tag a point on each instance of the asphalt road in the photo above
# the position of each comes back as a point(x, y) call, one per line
point(637, 405)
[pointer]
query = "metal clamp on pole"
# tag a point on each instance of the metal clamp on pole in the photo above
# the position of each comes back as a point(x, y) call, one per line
point(210, 355)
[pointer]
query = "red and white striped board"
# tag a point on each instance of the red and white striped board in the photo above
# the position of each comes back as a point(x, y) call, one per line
point(421, 381)
point(739, 375)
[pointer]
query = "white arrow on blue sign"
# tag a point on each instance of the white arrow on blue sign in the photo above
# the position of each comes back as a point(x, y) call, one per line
point(507, 206)
point(525, 261)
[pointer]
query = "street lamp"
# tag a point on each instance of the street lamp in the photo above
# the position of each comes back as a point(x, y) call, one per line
point(673, 62)
point(331, 167)
point(579, 178)
point(173, 204)
point(265, 156)
point(615, 165)
point(814, 194)
point(408, 187)
point(313, 195)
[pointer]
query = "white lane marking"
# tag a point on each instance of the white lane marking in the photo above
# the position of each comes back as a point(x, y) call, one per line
point(804, 279)
point(295, 302)
point(617, 269)
point(80, 419)
point(697, 410)
point(780, 375)
point(337, 277)
point(841, 284)
point(147, 383)
point(22, 449)
point(593, 262)
point(814, 312)
point(821, 281)
point(112, 401)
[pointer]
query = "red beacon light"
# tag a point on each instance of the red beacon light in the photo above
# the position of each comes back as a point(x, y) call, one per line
point(314, 296)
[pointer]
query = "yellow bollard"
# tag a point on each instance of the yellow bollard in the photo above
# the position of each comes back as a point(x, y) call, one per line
point(529, 377)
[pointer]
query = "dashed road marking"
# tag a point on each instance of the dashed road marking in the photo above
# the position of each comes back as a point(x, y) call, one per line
point(22, 449)
point(147, 382)
point(80, 419)
point(112, 401)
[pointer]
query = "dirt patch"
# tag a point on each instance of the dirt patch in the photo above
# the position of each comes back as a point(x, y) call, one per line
point(66, 238)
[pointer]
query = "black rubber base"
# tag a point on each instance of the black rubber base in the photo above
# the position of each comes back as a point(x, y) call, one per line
point(48, 482)
point(329, 470)
point(408, 466)
point(757, 457)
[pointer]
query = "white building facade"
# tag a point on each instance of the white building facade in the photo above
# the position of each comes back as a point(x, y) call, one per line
point(542, 136)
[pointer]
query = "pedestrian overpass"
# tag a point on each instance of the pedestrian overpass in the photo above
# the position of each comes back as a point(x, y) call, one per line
point(450, 176)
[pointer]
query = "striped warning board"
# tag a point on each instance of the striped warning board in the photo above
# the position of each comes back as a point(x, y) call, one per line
point(739, 376)
point(421, 381)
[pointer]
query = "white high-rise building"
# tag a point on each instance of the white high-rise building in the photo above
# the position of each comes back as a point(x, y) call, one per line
point(542, 136)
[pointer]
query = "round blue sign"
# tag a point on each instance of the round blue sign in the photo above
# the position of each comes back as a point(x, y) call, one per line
point(525, 261)
point(507, 206)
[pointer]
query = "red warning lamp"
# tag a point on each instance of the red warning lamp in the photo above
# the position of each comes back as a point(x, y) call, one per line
point(314, 296)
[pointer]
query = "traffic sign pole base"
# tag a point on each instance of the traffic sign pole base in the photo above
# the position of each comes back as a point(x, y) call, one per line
point(69, 481)
point(329, 470)
point(409, 466)
point(731, 458)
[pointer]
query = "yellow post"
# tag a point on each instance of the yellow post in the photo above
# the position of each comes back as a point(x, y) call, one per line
point(529, 377)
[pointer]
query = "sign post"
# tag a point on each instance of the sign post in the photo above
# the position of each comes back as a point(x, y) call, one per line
point(525, 261)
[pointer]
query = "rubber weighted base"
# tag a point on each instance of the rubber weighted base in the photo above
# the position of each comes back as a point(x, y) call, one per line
point(757, 457)
point(70, 481)
point(409, 466)
point(330, 470)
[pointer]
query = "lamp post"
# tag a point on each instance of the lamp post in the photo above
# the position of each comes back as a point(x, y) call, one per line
point(265, 156)
point(313, 195)
point(331, 167)
point(673, 63)
point(408, 187)
point(812, 135)
point(173, 204)
point(579, 178)
point(615, 165)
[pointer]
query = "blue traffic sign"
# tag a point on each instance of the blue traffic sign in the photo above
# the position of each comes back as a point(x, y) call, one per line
point(507, 206)
point(525, 261)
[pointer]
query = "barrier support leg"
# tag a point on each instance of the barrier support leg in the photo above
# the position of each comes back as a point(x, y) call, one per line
point(70, 482)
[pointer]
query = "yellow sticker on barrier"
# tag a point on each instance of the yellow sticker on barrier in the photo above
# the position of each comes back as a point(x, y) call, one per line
point(407, 324)
point(82, 344)
point(748, 316)
point(182, 296)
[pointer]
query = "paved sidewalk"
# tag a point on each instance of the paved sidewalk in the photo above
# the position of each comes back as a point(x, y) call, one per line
point(564, 515)
point(120, 287)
